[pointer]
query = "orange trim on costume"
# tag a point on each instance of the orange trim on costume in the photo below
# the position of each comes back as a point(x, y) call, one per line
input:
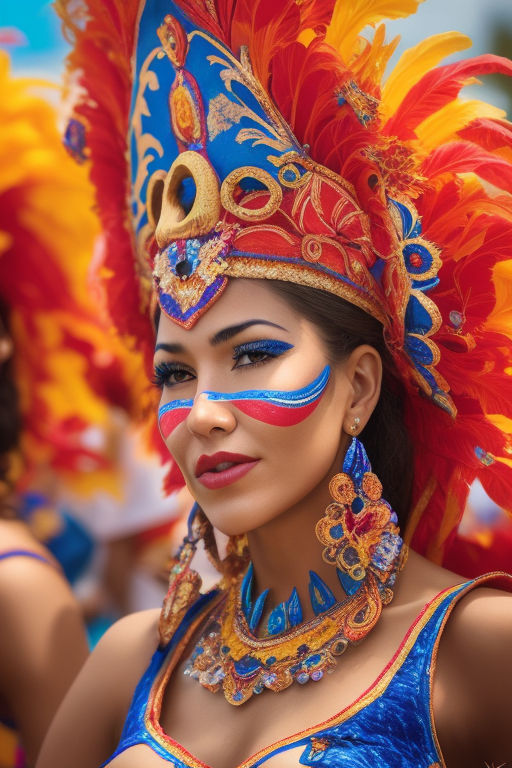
point(154, 708)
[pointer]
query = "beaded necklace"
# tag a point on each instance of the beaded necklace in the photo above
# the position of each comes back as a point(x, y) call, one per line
point(360, 538)
point(230, 657)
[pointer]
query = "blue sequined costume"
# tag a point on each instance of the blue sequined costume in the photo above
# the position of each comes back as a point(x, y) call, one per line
point(389, 726)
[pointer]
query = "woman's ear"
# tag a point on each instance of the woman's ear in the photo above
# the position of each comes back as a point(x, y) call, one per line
point(364, 370)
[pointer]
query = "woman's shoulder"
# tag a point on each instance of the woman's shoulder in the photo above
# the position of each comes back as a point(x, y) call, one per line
point(33, 590)
point(123, 654)
point(134, 638)
point(480, 628)
point(98, 702)
point(473, 680)
point(16, 537)
point(45, 644)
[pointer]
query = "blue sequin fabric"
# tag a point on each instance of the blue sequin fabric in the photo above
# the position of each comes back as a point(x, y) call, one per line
point(389, 726)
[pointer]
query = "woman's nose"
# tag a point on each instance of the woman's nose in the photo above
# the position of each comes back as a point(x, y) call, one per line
point(208, 415)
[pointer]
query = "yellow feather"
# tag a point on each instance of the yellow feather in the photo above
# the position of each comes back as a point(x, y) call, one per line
point(443, 125)
point(416, 62)
point(306, 36)
point(370, 65)
point(56, 213)
point(350, 18)
point(500, 319)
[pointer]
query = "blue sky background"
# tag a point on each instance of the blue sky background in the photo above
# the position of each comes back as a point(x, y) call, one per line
point(45, 49)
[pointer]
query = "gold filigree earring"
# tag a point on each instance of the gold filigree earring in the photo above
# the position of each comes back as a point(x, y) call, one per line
point(359, 530)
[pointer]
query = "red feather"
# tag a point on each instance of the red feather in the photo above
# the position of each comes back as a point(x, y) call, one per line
point(439, 87)
point(465, 157)
point(489, 134)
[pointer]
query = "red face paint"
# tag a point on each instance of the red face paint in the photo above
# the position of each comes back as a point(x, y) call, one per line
point(278, 408)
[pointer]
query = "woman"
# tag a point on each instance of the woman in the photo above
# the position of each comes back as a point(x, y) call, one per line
point(43, 643)
point(312, 318)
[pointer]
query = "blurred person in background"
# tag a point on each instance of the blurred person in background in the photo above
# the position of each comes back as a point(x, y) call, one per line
point(62, 376)
point(42, 637)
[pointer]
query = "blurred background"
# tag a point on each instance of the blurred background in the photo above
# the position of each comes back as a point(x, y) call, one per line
point(123, 542)
point(40, 48)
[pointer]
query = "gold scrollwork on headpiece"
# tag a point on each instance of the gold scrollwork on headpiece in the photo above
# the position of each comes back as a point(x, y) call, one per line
point(294, 170)
point(173, 222)
point(230, 183)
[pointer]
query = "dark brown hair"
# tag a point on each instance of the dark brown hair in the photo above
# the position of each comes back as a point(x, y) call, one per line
point(344, 327)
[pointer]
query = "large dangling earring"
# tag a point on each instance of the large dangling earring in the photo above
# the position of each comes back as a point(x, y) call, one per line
point(184, 582)
point(359, 530)
point(235, 560)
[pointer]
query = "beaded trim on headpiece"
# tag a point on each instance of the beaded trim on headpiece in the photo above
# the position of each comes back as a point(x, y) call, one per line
point(265, 143)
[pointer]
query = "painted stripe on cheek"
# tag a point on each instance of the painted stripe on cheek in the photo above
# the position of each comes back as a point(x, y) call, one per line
point(172, 414)
point(276, 415)
point(275, 407)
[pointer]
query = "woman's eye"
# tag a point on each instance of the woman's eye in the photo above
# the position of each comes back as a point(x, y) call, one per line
point(257, 352)
point(168, 375)
point(249, 358)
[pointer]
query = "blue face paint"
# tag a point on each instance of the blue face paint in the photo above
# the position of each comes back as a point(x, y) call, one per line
point(276, 407)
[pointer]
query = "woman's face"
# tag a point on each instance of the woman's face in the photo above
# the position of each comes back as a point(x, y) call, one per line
point(249, 458)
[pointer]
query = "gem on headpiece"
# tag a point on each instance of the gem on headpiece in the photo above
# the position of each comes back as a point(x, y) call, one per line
point(483, 457)
point(75, 140)
point(185, 270)
point(364, 106)
point(456, 319)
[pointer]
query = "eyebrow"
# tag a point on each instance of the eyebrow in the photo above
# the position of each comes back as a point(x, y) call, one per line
point(233, 330)
point(221, 336)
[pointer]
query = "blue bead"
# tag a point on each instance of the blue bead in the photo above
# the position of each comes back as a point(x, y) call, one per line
point(485, 458)
point(357, 505)
point(349, 585)
point(247, 666)
point(336, 531)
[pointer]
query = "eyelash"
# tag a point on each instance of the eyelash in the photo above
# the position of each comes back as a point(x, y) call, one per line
point(271, 348)
point(163, 373)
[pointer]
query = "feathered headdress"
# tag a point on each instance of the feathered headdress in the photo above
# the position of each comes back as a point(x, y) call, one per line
point(68, 369)
point(265, 141)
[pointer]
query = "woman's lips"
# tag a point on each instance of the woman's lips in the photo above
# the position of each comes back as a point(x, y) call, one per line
point(213, 479)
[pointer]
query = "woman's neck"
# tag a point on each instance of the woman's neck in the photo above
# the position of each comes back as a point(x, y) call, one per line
point(286, 549)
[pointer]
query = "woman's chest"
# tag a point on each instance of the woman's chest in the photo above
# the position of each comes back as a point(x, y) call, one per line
point(142, 756)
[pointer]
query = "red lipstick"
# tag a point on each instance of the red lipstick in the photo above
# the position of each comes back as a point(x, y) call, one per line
point(211, 472)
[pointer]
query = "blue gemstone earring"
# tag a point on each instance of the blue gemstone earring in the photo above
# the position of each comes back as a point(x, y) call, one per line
point(359, 530)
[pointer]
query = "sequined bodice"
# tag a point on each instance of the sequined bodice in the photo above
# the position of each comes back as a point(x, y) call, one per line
point(389, 726)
